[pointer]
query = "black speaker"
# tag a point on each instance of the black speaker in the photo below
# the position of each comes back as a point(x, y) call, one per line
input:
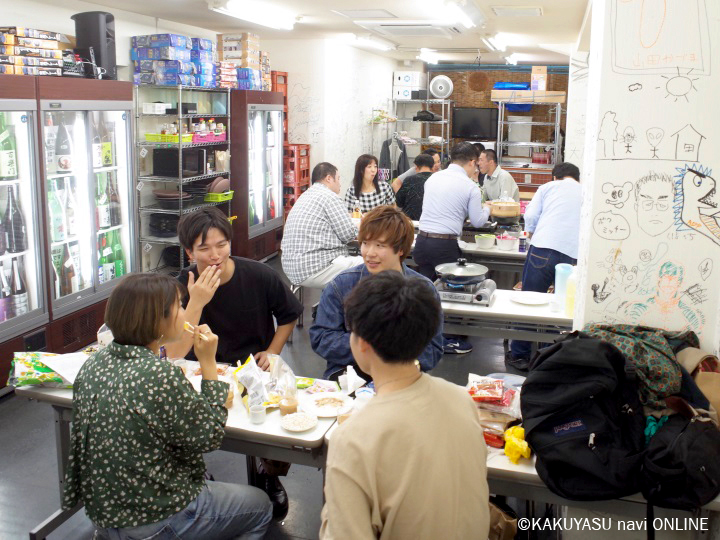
point(96, 29)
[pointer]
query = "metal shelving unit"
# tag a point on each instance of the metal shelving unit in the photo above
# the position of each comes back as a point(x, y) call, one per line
point(445, 113)
point(209, 97)
point(503, 143)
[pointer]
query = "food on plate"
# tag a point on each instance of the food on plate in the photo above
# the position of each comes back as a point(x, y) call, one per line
point(329, 402)
point(298, 422)
point(304, 382)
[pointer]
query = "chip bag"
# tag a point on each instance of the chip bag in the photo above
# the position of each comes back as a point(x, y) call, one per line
point(28, 370)
point(515, 444)
point(249, 375)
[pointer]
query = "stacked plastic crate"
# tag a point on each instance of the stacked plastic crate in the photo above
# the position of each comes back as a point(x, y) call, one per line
point(296, 173)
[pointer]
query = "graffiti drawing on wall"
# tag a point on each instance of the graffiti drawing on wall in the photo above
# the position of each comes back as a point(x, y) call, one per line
point(634, 87)
point(654, 196)
point(687, 143)
point(654, 137)
point(706, 268)
point(611, 226)
point(696, 201)
point(628, 138)
point(608, 134)
point(617, 195)
point(579, 65)
point(645, 39)
point(679, 86)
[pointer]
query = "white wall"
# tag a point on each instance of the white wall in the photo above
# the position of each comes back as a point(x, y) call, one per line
point(332, 89)
point(651, 88)
point(56, 17)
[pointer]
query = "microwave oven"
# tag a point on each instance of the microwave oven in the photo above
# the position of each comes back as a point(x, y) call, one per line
point(165, 162)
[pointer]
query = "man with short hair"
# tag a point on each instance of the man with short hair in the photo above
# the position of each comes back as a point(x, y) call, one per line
point(498, 182)
point(242, 301)
point(389, 473)
point(398, 182)
point(409, 197)
point(317, 231)
point(654, 196)
point(386, 236)
point(553, 221)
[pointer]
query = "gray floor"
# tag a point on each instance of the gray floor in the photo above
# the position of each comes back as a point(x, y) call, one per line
point(28, 466)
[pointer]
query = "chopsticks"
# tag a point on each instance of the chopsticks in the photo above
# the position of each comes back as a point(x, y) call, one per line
point(191, 329)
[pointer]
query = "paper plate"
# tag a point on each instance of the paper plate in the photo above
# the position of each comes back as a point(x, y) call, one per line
point(327, 404)
point(529, 298)
point(298, 422)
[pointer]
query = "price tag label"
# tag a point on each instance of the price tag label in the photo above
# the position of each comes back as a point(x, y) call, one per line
point(143, 152)
point(140, 186)
point(147, 247)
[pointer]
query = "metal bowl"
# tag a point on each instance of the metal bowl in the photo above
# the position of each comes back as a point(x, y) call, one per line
point(461, 272)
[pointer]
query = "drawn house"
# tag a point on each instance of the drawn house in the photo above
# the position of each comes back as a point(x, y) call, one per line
point(687, 144)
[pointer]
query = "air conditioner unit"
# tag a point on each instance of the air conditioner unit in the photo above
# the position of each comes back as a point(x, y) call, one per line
point(411, 28)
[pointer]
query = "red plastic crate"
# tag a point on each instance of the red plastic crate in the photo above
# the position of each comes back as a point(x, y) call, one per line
point(279, 81)
point(294, 151)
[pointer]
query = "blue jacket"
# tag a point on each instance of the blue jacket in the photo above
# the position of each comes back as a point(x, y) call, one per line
point(331, 339)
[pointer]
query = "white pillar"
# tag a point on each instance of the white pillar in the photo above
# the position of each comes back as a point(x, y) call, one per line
point(650, 235)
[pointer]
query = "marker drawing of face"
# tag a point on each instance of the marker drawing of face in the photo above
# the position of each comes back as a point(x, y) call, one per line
point(700, 203)
point(653, 203)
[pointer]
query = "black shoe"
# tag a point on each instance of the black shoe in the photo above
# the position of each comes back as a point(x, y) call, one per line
point(275, 490)
point(521, 364)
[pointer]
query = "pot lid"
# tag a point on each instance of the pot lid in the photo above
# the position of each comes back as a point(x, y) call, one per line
point(462, 268)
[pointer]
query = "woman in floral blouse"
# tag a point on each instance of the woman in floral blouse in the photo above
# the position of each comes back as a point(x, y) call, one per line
point(367, 190)
point(140, 429)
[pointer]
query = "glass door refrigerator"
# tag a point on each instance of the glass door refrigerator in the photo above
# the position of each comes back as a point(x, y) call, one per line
point(256, 172)
point(23, 307)
point(88, 206)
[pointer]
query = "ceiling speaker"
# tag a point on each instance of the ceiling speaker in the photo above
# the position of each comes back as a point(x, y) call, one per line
point(441, 87)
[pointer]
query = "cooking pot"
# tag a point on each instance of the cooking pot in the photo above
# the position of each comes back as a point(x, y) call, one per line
point(505, 209)
point(461, 272)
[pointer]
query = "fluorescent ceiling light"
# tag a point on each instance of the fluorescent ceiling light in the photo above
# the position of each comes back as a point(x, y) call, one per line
point(428, 56)
point(373, 43)
point(489, 45)
point(256, 12)
point(517, 11)
point(512, 59)
point(456, 13)
point(364, 13)
point(497, 42)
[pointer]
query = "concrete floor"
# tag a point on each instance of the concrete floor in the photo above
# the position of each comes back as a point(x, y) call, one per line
point(28, 463)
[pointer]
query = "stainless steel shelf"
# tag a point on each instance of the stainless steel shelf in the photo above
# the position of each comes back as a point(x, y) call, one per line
point(182, 87)
point(185, 180)
point(435, 101)
point(522, 123)
point(181, 145)
point(172, 240)
point(156, 208)
point(422, 121)
point(421, 140)
point(525, 143)
point(187, 115)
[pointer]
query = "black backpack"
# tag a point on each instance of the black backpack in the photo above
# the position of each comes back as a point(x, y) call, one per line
point(583, 419)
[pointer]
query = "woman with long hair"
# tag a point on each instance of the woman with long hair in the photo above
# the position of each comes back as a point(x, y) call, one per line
point(139, 428)
point(367, 190)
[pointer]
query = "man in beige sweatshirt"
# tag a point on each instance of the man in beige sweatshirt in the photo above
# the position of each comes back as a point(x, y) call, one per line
point(411, 464)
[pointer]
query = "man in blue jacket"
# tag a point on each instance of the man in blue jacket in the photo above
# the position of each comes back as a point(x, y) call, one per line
point(386, 236)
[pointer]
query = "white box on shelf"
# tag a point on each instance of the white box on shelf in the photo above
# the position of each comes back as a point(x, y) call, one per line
point(401, 93)
point(155, 108)
point(410, 78)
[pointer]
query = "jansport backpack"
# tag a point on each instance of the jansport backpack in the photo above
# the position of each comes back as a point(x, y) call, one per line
point(583, 419)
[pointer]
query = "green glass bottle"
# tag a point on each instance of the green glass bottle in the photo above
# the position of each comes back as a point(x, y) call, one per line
point(8, 150)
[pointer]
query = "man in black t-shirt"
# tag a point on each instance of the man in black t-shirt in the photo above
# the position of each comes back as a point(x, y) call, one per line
point(409, 197)
point(238, 299)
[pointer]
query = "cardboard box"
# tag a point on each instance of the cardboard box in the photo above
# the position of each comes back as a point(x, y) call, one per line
point(34, 70)
point(29, 32)
point(538, 79)
point(201, 44)
point(162, 40)
point(528, 96)
point(250, 64)
point(13, 50)
point(202, 56)
point(160, 53)
point(403, 93)
point(241, 55)
point(166, 66)
point(6, 69)
point(410, 78)
point(38, 62)
point(7, 39)
point(37, 43)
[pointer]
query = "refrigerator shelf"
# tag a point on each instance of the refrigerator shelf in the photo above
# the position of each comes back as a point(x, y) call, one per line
point(183, 87)
point(105, 169)
point(185, 180)
point(64, 175)
point(186, 115)
point(172, 240)
point(69, 240)
point(10, 182)
point(7, 256)
point(156, 208)
point(179, 145)
point(108, 229)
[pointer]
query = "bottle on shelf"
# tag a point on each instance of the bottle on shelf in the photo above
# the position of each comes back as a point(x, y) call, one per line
point(96, 145)
point(6, 308)
point(118, 254)
point(56, 253)
point(75, 254)
point(113, 199)
point(71, 208)
point(270, 132)
point(107, 259)
point(102, 261)
point(102, 204)
point(271, 204)
point(107, 133)
point(49, 136)
point(56, 212)
point(14, 224)
point(63, 148)
point(8, 150)
point(68, 275)
point(18, 291)
point(253, 217)
point(3, 238)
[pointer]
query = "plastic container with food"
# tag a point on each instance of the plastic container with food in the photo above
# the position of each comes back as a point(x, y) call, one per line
point(507, 243)
point(485, 241)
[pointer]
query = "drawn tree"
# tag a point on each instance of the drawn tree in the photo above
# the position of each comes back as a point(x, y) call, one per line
point(609, 133)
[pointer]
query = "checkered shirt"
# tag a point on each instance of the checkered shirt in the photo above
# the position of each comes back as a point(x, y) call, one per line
point(368, 201)
point(317, 231)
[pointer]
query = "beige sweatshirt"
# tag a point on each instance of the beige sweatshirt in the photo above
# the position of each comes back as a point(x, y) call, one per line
point(410, 465)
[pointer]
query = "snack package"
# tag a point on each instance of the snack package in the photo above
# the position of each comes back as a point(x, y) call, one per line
point(28, 370)
point(321, 385)
point(104, 336)
point(515, 444)
point(282, 379)
point(486, 389)
point(249, 375)
point(494, 395)
point(494, 425)
point(304, 382)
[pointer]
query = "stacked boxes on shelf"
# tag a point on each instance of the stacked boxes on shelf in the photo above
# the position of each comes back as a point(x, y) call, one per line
point(296, 173)
point(249, 79)
point(265, 72)
point(24, 51)
point(172, 59)
point(227, 74)
point(243, 50)
point(278, 83)
point(409, 85)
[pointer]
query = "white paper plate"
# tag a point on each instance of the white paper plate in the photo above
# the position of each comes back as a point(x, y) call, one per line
point(298, 422)
point(530, 298)
point(310, 404)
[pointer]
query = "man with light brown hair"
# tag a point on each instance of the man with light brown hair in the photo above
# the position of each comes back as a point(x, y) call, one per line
point(386, 236)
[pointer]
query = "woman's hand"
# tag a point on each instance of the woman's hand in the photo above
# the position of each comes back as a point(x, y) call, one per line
point(203, 290)
point(205, 350)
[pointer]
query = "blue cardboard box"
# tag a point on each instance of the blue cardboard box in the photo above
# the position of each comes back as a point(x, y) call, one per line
point(160, 53)
point(202, 56)
point(205, 81)
point(162, 40)
point(202, 44)
point(204, 68)
point(166, 66)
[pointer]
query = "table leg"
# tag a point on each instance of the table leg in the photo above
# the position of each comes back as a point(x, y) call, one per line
point(41, 531)
point(251, 470)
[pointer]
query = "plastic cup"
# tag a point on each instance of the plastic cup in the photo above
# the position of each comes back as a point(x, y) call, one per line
point(257, 414)
point(288, 406)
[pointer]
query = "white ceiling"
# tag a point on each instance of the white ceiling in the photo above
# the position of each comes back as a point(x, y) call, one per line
point(558, 27)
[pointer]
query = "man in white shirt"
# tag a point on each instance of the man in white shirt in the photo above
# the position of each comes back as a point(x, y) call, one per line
point(317, 231)
point(553, 220)
point(498, 182)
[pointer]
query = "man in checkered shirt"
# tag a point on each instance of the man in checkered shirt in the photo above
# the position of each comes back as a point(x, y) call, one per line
point(317, 231)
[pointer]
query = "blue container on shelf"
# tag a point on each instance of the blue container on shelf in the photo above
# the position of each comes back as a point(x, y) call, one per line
point(514, 107)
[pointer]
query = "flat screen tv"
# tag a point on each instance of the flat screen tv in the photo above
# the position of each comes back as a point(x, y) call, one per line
point(474, 123)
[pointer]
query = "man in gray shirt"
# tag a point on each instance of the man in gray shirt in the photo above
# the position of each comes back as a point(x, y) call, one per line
point(498, 182)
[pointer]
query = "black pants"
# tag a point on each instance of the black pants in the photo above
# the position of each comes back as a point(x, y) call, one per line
point(430, 252)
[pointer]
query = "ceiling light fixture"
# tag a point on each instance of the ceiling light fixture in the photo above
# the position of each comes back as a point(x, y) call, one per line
point(498, 42)
point(255, 12)
point(456, 13)
point(512, 59)
point(373, 43)
point(428, 56)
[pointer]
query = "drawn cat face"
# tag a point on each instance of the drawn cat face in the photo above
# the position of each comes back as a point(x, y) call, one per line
point(617, 195)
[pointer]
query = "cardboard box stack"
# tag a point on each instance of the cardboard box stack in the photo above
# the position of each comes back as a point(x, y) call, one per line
point(265, 72)
point(24, 51)
point(253, 66)
point(538, 78)
point(407, 82)
point(227, 76)
point(172, 59)
point(204, 56)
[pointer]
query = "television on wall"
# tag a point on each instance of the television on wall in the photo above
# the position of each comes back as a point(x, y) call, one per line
point(474, 123)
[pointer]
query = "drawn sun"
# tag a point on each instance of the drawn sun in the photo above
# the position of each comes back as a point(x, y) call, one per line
point(680, 85)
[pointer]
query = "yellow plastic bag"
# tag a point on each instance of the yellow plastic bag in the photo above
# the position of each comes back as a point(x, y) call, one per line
point(515, 445)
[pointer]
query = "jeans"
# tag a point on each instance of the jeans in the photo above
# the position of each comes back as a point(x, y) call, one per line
point(220, 511)
point(431, 252)
point(538, 275)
